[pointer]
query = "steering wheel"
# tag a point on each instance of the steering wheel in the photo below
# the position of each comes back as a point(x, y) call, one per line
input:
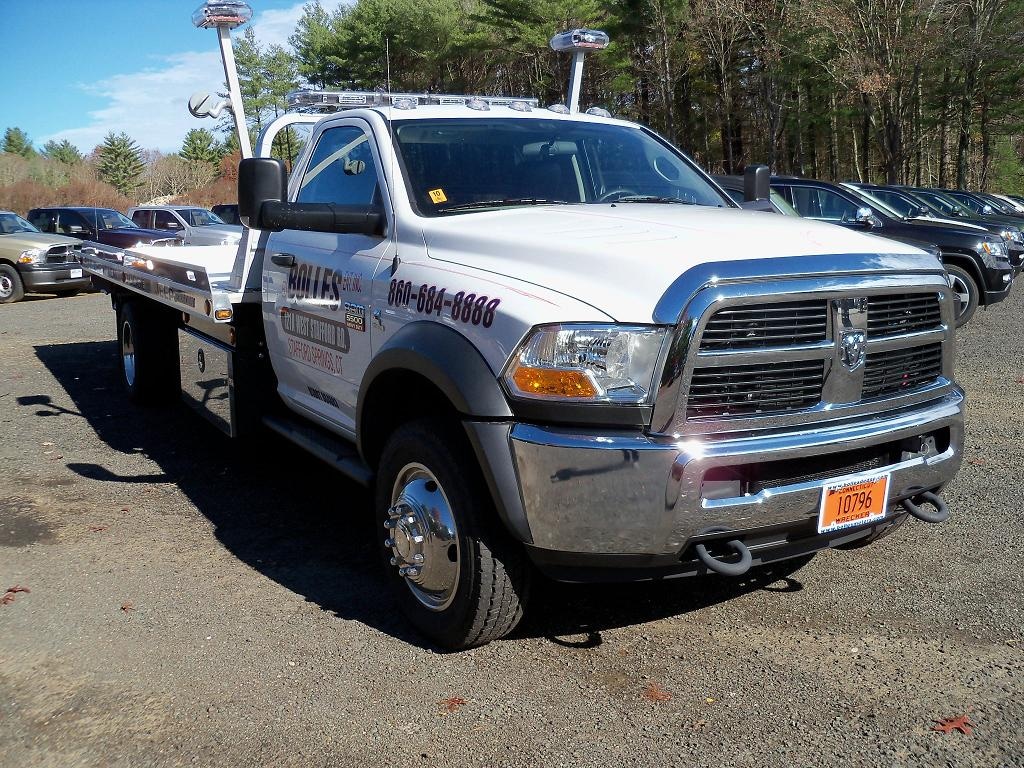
point(615, 194)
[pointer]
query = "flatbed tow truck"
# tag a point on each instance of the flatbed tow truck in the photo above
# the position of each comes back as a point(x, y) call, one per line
point(550, 343)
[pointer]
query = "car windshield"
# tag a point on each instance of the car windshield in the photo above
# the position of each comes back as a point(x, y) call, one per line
point(969, 202)
point(474, 164)
point(902, 204)
point(199, 217)
point(12, 223)
point(945, 204)
point(876, 203)
point(105, 218)
point(997, 205)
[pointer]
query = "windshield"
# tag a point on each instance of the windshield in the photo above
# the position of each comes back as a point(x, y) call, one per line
point(462, 164)
point(12, 223)
point(104, 218)
point(874, 202)
point(945, 204)
point(998, 205)
point(969, 202)
point(199, 217)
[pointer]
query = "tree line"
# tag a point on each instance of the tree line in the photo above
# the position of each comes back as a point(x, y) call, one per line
point(926, 92)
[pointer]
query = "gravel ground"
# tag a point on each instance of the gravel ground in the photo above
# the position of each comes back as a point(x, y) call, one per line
point(185, 610)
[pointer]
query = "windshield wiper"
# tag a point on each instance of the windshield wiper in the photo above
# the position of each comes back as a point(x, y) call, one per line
point(504, 202)
point(652, 199)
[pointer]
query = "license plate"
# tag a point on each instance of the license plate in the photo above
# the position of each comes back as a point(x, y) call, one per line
point(76, 273)
point(853, 501)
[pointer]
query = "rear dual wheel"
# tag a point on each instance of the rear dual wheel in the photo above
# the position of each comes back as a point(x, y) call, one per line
point(147, 342)
point(459, 577)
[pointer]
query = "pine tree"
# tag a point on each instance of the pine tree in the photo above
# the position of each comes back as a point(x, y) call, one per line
point(200, 146)
point(17, 142)
point(120, 162)
point(63, 152)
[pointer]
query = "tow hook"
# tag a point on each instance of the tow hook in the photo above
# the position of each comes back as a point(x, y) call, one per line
point(712, 563)
point(913, 506)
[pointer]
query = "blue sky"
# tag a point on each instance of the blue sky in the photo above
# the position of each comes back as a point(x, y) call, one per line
point(76, 69)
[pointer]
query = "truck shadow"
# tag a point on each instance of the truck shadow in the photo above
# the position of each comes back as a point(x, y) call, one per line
point(290, 517)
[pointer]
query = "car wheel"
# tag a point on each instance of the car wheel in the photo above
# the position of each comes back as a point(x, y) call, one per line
point(965, 293)
point(458, 575)
point(147, 343)
point(11, 287)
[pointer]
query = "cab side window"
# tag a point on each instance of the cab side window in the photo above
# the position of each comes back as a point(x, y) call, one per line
point(44, 221)
point(166, 220)
point(823, 204)
point(71, 223)
point(341, 170)
point(142, 218)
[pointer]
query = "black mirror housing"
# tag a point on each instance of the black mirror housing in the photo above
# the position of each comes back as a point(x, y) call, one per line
point(757, 180)
point(260, 179)
point(322, 217)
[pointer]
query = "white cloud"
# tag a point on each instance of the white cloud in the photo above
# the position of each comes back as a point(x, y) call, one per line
point(151, 105)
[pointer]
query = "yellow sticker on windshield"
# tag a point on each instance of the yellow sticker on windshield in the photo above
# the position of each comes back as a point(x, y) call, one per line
point(438, 196)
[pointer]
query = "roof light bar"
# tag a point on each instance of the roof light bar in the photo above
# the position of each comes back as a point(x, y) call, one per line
point(580, 40)
point(221, 13)
point(308, 100)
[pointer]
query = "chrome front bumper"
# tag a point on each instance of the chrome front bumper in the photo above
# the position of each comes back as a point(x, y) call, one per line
point(596, 493)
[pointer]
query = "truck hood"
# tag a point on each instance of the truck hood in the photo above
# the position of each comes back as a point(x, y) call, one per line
point(123, 236)
point(22, 241)
point(225, 231)
point(621, 258)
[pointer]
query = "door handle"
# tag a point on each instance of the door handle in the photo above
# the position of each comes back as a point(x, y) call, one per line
point(283, 259)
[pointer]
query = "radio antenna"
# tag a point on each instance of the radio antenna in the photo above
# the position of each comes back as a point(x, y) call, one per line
point(391, 151)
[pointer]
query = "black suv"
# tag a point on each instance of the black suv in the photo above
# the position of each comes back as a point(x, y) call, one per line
point(100, 225)
point(914, 207)
point(977, 262)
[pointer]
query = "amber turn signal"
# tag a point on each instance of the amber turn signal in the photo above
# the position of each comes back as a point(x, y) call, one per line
point(554, 382)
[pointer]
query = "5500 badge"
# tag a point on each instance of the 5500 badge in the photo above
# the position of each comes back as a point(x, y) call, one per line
point(431, 300)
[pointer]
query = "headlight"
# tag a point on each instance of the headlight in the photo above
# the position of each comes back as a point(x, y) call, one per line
point(994, 249)
point(1012, 235)
point(31, 256)
point(586, 363)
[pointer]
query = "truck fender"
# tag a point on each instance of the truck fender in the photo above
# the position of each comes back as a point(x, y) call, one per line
point(450, 362)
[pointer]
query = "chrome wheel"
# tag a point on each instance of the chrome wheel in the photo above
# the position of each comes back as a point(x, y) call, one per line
point(962, 293)
point(6, 287)
point(423, 537)
point(128, 353)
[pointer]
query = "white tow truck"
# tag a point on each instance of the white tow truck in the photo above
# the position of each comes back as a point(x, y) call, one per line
point(550, 343)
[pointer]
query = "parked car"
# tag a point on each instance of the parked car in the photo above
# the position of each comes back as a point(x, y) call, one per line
point(100, 225)
point(198, 225)
point(977, 261)
point(33, 262)
point(913, 208)
point(228, 213)
point(733, 186)
point(1014, 204)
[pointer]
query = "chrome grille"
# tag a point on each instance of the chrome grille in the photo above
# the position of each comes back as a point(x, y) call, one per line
point(755, 389)
point(900, 370)
point(767, 325)
point(902, 313)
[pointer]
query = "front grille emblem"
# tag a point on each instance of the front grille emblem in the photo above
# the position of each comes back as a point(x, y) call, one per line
point(852, 347)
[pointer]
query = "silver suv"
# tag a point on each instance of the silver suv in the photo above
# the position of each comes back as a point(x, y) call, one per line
point(198, 225)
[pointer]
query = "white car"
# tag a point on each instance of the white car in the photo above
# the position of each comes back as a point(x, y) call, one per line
point(200, 226)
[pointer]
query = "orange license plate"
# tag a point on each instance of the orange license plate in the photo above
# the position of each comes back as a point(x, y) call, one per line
point(853, 501)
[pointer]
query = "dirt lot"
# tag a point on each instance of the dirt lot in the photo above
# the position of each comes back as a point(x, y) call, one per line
point(191, 606)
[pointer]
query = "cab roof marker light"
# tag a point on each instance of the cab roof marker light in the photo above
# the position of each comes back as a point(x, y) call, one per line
point(217, 13)
point(560, 109)
point(404, 103)
point(520, 106)
point(478, 104)
point(599, 112)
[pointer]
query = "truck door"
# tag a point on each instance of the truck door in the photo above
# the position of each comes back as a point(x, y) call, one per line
point(317, 285)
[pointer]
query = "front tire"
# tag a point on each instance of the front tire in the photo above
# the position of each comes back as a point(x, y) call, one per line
point(11, 287)
point(147, 344)
point(460, 579)
point(966, 292)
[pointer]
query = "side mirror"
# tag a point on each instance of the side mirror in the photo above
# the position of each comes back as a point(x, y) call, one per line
point(987, 210)
point(865, 216)
point(260, 179)
point(76, 229)
point(756, 183)
point(322, 217)
point(958, 211)
point(922, 211)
